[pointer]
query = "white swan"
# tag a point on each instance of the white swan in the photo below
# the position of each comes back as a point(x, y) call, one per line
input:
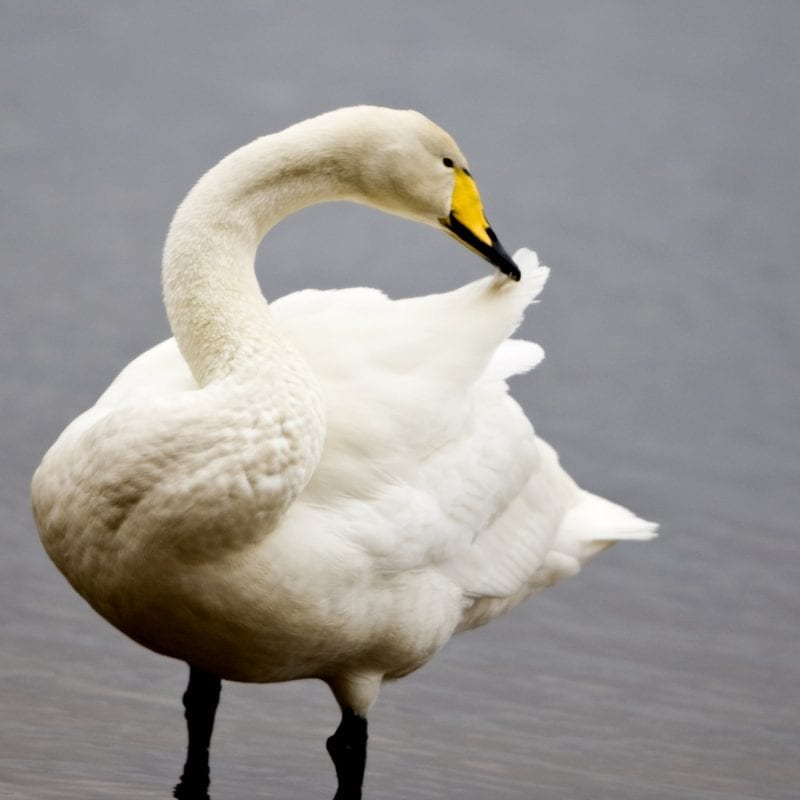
point(332, 486)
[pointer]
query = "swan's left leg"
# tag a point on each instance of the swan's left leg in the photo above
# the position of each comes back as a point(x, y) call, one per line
point(355, 694)
point(348, 749)
point(200, 702)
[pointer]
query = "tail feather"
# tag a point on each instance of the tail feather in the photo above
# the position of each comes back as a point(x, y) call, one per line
point(596, 523)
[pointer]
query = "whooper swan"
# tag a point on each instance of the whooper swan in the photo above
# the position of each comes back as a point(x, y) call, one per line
point(330, 486)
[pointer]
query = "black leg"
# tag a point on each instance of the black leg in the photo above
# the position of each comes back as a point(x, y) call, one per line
point(200, 702)
point(348, 749)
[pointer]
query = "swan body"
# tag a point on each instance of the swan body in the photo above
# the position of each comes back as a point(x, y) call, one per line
point(332, 485)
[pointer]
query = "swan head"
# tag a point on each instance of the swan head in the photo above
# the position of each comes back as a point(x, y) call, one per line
point(407, 165)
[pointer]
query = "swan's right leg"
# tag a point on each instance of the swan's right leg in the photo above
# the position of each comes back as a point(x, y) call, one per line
point(200, 702)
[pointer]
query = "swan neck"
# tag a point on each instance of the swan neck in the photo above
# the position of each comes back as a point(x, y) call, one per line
point(215, 306)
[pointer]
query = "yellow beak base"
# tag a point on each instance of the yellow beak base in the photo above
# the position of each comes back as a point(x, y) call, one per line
point(469, 225)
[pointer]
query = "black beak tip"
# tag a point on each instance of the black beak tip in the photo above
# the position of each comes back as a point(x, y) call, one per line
point(498, 256)
point(510, 270)
point(493, 252)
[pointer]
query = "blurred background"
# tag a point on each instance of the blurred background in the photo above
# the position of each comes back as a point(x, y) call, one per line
point(649, 153)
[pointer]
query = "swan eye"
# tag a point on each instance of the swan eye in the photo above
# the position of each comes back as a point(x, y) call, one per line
point(448, 162)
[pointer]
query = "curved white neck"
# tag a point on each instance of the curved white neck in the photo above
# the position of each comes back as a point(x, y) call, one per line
point(214, 304)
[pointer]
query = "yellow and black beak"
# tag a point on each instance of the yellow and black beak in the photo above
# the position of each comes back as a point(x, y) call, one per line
point(468, 224)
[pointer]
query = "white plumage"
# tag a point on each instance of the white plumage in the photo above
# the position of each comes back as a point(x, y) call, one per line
point(333, 485)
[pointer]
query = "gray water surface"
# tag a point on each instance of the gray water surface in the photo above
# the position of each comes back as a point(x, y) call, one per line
point(649, 152)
